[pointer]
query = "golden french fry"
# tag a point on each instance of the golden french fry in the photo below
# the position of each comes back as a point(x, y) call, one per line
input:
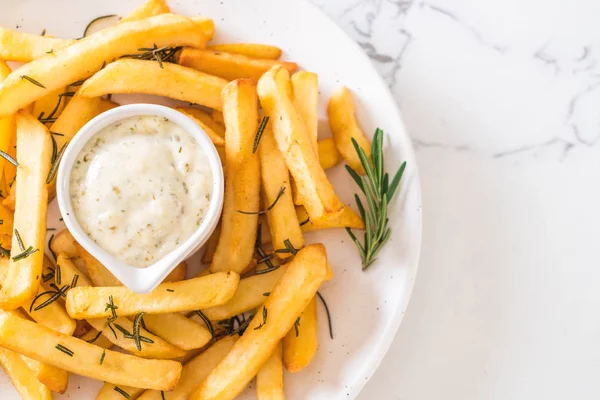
point(68, 271)
point(277, 194)
point(52, 104)
point(64, 242)
point(189, 295)
point(269, 380)
point(158, 349)
point(301, 342)
point(114, 392)
point(242, 189)
point(273, 320)
point(77, 356)
point(10, 171)
point(188, 334)
point(251, 293)
point(211, 245)
point(25, 47)
point(256, 50)
point(195, 371)
point(207, 26)
point(207, 119)
point(344, 127)
point(295, 143)
point(6, 216)
point(34, 154)
point(329, 156)
point(306, 99)
point(87, 55)
point(217, 116)
point(149, 9)
point(97, 338)
point(99, 275)
point(348, 218)
point(148, 77)
point(54, 378)
point(22, 377)
point(229, 66)
point(216, 136)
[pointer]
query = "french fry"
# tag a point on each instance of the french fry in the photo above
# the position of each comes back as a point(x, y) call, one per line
point(192, 294)
point(7, 143)
point(211, 245)
point(22, 281)
point(256, 50)
point(25, 47)
point(329, 156)
point(290, 296)
point(114, 392)
point(6, 216)
point(98, 273)
point(348, 218)
point(344, 127)
point(52, 104)
point(77, 356)
point(306, 99)
point(229, 66)
point(242, 189)
point(214, 131)
point(64, 242)
point(87, 55)
point(269, 380)
point(207, 26)
point(277, 193)
point(188, 334)
point(301, 342)
point(10, 171)
point(195, 371)
point(158, 349)
point(149, 9)
point(54, 378)
point(148, 77)
point(251, 293)
point(97, 338)
point(23, 378)
point(217, 116)
point(294, 142)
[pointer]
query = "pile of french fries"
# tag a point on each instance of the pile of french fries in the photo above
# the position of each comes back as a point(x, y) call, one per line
point(253, 311)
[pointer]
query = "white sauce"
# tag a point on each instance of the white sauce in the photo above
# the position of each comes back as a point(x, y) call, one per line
point(141, 187)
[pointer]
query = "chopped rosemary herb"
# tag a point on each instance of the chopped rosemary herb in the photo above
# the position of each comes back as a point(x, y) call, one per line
point(30, 250)
point(281, 191)
point(122, 392)
point(267, 294)
point(55, 164)
point(162, 395)
point(259, 133)
point(50, 248)
point(112, 307)
point(264, 321)
point(77, 83)
point(19, 240)
point(306, 221)
point(57, 275)
point(264, 258)
point(159, 54)
point(50, 116)
point(43, 32)
point(297, 326)
point(74, 281)
point(103, 351)
point(137, 322)
point(30, 79)
point(328, 315)
point(378, 194)
point(92, 22)
point(170, 290)
point(4, 252)
point(206, 322)
point(289, 248)
point(92, 340)
point(49, 275)
point(64, 350)
point(8, 158)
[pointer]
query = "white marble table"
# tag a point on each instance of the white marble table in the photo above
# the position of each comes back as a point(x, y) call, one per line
point(502, 99)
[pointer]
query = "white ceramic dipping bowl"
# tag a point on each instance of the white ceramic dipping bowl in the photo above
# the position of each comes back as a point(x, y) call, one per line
point(141, 280)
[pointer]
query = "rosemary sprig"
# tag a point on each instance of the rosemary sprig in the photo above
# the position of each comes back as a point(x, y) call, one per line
point(137, 322)
point(264, 321)
point(264, 258)
point(378, 192)
point(122, 392)
point(266, 210)
point(289, 248)
point(30, 79)
point(8, 158)
point(50, 117)
point(159, 54)
point(206, 322)
point(65, 350)
point(29, 251)
point(328, 314)
point(113, 308)
point(55, 164)
point(92, 22)
point(55, 295)
point(259, 133)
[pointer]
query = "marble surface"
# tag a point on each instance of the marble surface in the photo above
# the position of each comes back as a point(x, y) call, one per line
point(502, 100)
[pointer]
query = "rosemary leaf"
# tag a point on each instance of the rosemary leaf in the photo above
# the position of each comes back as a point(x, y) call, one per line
point(30, 79)
point(206, 322)
point(259, 133)
point(328, 314)
point(64, 350)
point(8, 158)
point(92, 22)
point(103, 351)
point(281, 191)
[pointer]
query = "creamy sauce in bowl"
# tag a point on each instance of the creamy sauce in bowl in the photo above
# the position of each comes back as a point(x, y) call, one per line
point(141, 187)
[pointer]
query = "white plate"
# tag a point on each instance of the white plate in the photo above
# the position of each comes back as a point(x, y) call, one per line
point(366, 307)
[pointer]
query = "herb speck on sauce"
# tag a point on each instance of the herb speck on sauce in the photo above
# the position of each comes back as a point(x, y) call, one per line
point(159, 185)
